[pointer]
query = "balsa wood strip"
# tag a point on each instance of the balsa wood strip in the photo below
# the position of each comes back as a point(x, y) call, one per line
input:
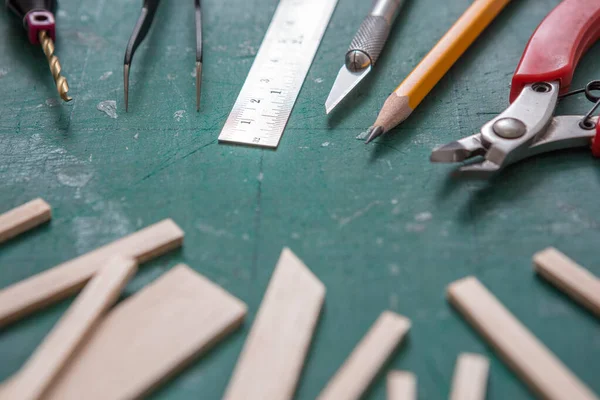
point(58, 347)
point(149, 337)
point(43, 289)
point(470, 377)
point(577, 282)
point(23, 218)
point(273, 356)
point(531, 360)
point(401, 385)
point(361, 367)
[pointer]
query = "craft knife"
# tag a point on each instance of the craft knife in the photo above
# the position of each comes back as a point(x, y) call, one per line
point(364, 50)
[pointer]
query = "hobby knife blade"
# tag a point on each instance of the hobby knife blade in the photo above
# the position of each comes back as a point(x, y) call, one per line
point(364, 50)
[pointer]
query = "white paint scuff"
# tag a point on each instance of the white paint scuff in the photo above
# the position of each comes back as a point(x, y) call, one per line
point(106, 75)
point(52, 102)
point(178, 115)
point(109, 107)
point(423, 217)
point(362, 135)
point(104, 220)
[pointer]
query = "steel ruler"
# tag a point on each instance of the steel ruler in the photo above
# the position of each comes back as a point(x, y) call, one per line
point(265, 102)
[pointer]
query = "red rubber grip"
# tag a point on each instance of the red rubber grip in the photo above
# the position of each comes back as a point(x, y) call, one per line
point(596, 141)
point(557, 45)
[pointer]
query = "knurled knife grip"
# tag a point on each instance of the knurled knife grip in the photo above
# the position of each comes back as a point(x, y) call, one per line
point(37, 15)
point(558, 44)
point(372, 35)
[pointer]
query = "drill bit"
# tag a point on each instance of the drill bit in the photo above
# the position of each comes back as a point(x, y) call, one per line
point(61, 82)
point(198, 52)
point(140, 30)
point(38, 21)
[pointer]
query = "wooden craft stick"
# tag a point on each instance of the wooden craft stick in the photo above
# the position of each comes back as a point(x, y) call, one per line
point(43, 289)
point(149, 337)
point(59, 346)
point(401, 385)
point(531, 360)
point(367, 358)
point(23, 218)
point(470, 377)
point(273, 355)
point(577, 282)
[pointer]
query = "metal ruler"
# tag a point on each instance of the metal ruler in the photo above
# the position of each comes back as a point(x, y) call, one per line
point(265, 102)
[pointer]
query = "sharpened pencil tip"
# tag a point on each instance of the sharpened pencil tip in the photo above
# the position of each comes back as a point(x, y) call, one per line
point(373, 133)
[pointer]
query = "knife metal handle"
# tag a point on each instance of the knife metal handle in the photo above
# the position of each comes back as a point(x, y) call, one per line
point(372, 34)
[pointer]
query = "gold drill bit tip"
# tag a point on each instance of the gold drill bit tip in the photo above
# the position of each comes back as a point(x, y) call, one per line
point(61, 82)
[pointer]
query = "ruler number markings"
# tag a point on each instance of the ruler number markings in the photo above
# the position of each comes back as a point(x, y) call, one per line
point(267, 97)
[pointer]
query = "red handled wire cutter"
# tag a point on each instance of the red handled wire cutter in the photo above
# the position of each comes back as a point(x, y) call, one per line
point(528, 126)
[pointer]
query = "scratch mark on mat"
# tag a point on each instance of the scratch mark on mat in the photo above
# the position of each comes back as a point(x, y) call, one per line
point(359, 213)
point(208, 229)
point(171, 162)
point(257, 219)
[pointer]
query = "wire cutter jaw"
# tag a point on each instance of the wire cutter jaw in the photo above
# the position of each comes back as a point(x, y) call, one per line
point(510, 136)
point(527, 128)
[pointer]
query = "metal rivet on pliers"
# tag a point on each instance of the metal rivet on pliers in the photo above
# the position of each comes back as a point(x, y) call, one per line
point(509, 128)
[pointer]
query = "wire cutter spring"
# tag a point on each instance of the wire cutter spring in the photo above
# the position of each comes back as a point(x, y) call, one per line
point(141, 30)
point(528, 126)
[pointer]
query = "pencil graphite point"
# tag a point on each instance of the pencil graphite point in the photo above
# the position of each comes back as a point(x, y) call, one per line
point(373, 133)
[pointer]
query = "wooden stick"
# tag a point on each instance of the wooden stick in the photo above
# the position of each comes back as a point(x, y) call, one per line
point(24, 218)
point(533, 362)
point(367, 358)
point(150, 337)
point(401, 385)
point(274, 353)
point(59, 346)
point(564, 273)
point(43, 289)
point(470, 377)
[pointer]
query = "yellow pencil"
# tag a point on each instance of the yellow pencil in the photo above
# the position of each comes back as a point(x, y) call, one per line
point(434, 66)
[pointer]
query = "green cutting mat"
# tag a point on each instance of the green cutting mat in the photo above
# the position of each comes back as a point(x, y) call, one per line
point(381, 226)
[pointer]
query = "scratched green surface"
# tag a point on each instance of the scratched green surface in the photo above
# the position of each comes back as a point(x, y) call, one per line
point(381, 226)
